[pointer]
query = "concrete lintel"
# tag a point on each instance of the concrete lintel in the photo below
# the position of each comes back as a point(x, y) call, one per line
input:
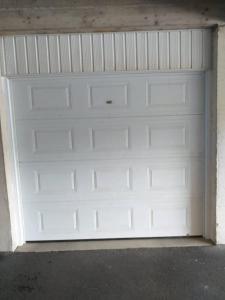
point(101, 16)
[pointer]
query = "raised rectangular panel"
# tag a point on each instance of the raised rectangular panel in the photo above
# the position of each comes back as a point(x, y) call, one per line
point(52, 141)
point(110, 138)
point(49, 98)
point(107, 96)
point(168, 178)
point(113, 219)
point(168, 218)
point(52, 221)
point(110, 179)
point(49, 182)
point(168, 136)
point(166, 93)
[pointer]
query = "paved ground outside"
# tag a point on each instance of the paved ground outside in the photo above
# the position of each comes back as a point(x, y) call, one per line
point(161, 273)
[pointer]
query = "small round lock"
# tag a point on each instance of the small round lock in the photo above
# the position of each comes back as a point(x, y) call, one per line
point(108, 101)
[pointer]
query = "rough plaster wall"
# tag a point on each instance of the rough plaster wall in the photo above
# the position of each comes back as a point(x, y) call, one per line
point(220, 205)
point(5, 228)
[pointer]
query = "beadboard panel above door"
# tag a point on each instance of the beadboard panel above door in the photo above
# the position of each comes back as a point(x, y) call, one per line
point(105, 52)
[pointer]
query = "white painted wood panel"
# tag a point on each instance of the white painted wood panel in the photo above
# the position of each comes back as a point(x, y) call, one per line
point(128, 51)
point(110, 156)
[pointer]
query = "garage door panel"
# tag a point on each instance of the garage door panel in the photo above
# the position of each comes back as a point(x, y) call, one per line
point(104, 221)
point(111, 96)
point(161, 180)
point(111, 138)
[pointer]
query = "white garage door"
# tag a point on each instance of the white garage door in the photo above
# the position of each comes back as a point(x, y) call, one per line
point(110, 156)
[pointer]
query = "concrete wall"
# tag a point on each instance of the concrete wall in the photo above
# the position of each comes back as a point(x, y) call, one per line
point(45, 16)
point(220, 174)
point(5, 226)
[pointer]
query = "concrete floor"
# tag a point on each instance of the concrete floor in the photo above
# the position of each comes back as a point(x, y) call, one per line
point(191, 273)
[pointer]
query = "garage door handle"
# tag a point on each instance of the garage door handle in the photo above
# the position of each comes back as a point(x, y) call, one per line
point(108, 101)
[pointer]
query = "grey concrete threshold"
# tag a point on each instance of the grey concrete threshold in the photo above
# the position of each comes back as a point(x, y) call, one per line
point(113, 244)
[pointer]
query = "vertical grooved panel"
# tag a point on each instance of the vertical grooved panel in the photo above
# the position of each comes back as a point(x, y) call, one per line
point(76, 56)
point(54, 54)
point(99, 52)
point(131, 51)
point(109, 51)
point(87, 51)
point(175, 59)
point(142, 51)
point(186, 49)
point(31, 55)
point(98, 59)
point(164, 53)
point(65, 55)
point(120, 61)
point(153, 51)
point(197, 51)
point(10, 59)
point(43, 53)
point(21, 54)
